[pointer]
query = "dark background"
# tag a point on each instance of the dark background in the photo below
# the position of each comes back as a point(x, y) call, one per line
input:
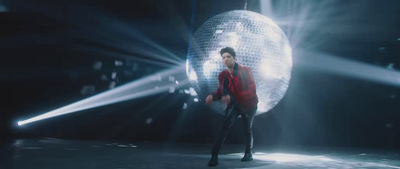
point(48, 50)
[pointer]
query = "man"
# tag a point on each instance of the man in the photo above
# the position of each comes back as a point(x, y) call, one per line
point(238, 91)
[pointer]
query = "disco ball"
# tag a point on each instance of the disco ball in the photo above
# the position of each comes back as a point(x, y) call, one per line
point(259, 44)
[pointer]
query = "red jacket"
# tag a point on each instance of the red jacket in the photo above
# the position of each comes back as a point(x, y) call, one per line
point(241, 86)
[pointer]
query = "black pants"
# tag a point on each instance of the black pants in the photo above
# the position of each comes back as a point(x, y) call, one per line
point(231, 116)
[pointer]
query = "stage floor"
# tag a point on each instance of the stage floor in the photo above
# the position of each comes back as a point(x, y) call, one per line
point(50, 153)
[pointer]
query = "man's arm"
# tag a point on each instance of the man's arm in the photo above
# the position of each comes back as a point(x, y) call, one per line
point(218, 94)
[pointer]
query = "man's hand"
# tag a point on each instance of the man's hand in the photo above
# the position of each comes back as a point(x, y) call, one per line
point(226, 99)
point(209, 99)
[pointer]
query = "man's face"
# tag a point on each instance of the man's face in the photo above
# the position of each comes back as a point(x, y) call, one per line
point(228, 60)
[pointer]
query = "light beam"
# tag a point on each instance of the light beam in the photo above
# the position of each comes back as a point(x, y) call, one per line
point(144, 87)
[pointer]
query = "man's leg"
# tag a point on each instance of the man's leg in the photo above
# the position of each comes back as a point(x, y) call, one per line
point(247, 118)
point(228, 123)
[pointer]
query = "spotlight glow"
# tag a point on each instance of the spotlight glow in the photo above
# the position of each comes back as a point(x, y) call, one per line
point(309, 31)
point(144, 87)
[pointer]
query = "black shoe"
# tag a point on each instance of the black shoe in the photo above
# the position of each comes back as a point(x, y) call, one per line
point(213, 161)
point(247, 157)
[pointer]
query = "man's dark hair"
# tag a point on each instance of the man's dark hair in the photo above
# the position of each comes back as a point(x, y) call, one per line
point(229, 50)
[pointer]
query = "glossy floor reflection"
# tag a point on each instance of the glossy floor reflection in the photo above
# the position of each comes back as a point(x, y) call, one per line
point(49, 153)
